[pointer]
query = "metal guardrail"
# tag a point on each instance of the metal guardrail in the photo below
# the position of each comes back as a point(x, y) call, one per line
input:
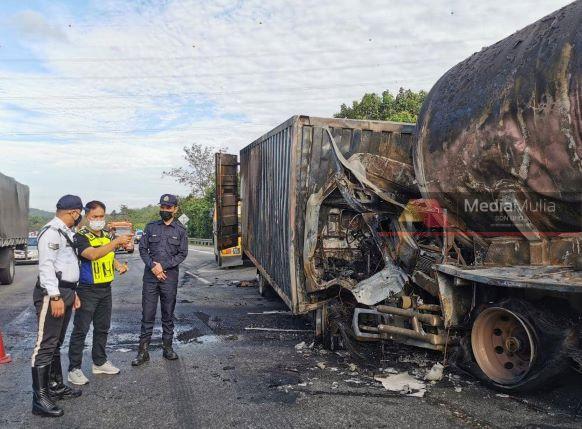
point(200, 241)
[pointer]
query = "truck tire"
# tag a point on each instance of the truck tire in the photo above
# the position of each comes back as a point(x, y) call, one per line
point(8, 266)
point(517, 347)
point(327, 331)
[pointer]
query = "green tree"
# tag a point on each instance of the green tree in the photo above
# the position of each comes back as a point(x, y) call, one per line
point(199, 210)
point(404, 107)
point(199, 171)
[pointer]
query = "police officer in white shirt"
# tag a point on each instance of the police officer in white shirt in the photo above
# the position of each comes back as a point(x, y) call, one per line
point(54, 298)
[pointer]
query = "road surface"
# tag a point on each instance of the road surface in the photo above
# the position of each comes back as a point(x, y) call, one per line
point(231, 376)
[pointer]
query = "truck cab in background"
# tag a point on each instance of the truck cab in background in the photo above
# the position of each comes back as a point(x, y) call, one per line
point(122, 228)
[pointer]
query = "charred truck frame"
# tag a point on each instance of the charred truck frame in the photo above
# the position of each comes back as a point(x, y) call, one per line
point(463, 232)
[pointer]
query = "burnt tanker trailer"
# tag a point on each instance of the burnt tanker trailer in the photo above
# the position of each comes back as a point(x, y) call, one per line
point(462, 235)
point(496, 239)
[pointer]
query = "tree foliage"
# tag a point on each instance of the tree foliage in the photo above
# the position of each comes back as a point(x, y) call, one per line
point(199, 210)
point(404, 107)
point(199, 170)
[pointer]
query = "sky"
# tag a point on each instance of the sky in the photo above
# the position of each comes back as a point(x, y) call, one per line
point(98, 97)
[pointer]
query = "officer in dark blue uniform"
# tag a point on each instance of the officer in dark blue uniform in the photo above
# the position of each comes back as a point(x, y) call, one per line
point(163, 247)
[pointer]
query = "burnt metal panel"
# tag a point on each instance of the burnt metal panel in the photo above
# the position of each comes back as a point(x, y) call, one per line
point(280, 170)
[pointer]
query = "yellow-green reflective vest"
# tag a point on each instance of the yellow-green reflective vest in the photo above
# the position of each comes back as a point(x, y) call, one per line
point(101, 270)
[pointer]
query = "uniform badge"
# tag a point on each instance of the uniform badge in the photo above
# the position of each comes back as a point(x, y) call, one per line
point(53, 246)
point(166, 198)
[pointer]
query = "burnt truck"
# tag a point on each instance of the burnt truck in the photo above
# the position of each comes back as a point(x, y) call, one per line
point(461, 234)
point(13, 224)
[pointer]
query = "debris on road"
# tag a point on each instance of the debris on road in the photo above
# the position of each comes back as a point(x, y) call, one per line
point(402, 383)
point(435, 373)
point(321, 365)
point(300, 346)
point(245, 283)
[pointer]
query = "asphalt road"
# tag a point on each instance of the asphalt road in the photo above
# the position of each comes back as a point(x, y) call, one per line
point(229, 375)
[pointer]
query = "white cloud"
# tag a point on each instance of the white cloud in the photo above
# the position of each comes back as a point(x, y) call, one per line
point(187, 67)
point(31, 24)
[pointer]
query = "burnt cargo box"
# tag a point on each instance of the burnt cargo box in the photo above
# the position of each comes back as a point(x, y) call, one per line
point(278, 173)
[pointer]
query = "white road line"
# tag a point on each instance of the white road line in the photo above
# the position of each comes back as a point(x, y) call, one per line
point(273, 312)
point(277, 330)
point(203, 280)
point(201, 251)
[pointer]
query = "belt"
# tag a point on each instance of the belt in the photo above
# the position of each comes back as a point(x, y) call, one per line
point(62, 284)
point(67, 285)
point(95, 285)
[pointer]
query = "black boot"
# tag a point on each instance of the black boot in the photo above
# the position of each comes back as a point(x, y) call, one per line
point(57, 388)
point(42, 403)
point(169, 352)
point(142, 355)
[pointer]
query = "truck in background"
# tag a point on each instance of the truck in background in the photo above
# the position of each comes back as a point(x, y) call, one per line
point(122, 228)
point(14, 204)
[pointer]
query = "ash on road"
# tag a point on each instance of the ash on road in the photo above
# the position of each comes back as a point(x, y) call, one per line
point(231, 376)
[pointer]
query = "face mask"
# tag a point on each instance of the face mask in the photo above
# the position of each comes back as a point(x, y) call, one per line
point(78, 220)
point(96, 225)
point(166, 216)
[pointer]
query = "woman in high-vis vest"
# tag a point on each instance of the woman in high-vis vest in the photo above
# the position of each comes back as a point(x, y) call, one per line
point(98, 264)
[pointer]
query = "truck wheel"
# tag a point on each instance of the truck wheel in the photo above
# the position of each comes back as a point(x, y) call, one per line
point(326, 329)
point(7, 260)
point(513, 351)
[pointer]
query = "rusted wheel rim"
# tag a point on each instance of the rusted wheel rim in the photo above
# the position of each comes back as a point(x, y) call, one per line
point(504, 345)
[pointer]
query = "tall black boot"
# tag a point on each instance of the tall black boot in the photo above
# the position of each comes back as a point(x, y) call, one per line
point(142, 355)
point(57, 388)
point(169, 352)
point(42, 403)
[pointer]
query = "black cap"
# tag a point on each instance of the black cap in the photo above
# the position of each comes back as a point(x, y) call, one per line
point(70, 202)
point(168, 200)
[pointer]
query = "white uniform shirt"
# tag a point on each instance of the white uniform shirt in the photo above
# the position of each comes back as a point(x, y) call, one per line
point(56, 254)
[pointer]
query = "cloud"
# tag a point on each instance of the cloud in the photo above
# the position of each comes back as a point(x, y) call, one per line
point(31, 24)
point(113, 107)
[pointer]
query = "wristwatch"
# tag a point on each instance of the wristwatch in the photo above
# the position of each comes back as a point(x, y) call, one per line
point(56, 298)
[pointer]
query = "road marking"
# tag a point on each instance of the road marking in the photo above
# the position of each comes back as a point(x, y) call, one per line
point(278, 330)
point(201, 251)
point(203, 280)
point(24, 319)
point(273, 312)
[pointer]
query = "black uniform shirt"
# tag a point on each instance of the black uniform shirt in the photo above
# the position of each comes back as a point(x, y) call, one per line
point(166, 244)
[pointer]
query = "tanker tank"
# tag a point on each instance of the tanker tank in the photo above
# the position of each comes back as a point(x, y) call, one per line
point(502, 131)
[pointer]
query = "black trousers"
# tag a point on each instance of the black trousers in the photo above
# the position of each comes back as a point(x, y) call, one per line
point(166, 291)
point(51, 330)
point(95, 308)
